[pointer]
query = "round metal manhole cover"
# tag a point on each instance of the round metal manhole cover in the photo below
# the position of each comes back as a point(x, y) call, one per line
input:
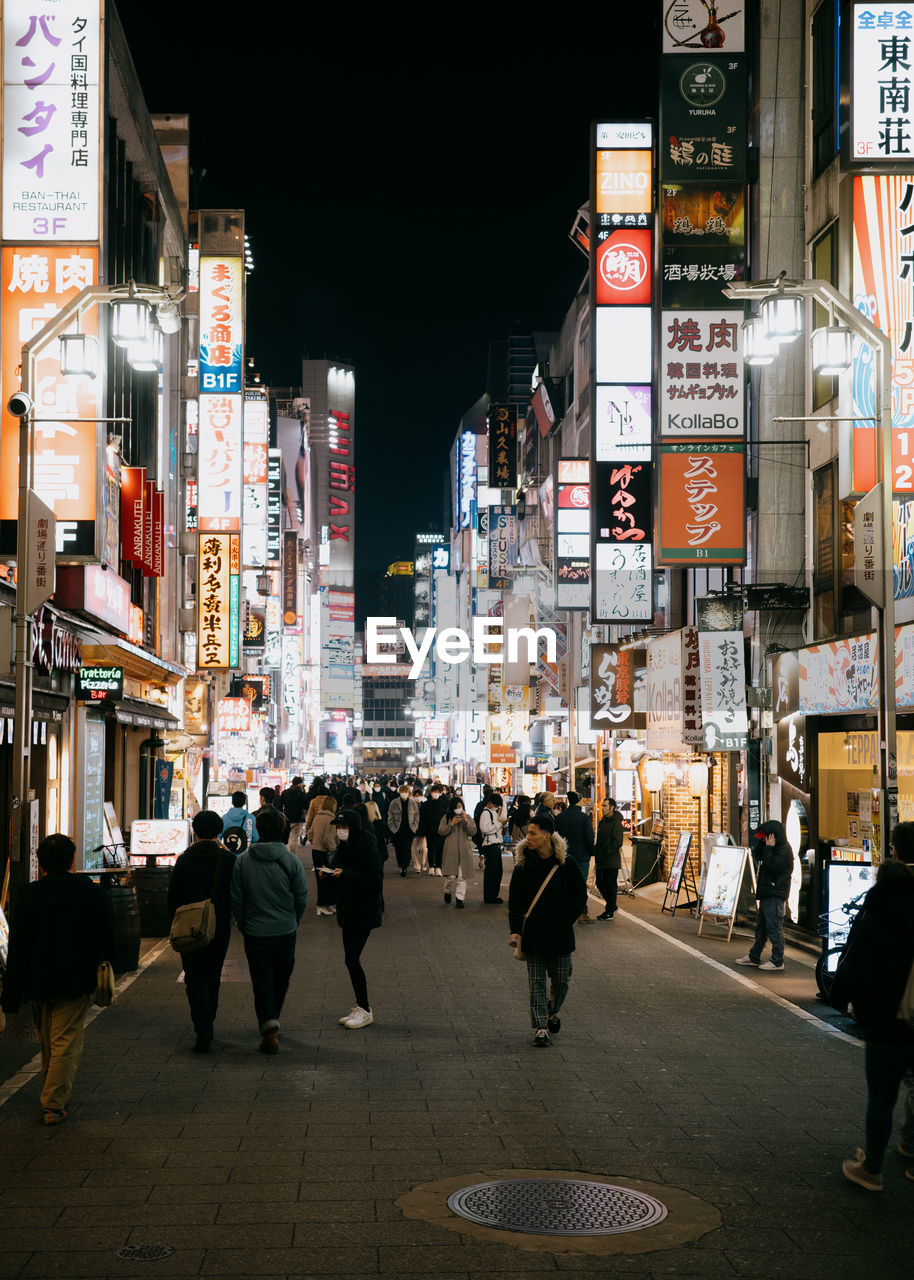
point(557, 1207)
point(145, 1252)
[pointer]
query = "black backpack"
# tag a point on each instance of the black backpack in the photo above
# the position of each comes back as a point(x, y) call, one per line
point(235, 839)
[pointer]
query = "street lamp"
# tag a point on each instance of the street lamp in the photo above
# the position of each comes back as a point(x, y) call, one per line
point(783, 318)
point(832, 349)
point(131, 322)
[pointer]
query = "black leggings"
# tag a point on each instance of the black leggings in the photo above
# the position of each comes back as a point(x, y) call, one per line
point(354, 938)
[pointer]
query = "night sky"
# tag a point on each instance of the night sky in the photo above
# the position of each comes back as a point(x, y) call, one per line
point(409, 190)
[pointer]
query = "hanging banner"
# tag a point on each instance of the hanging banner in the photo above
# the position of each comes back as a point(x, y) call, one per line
point(502, 447)
point(725, 719)
point(133, 502)
point(701, 513)
point(692, 733)
point(612, 688)
point(664, 693)
point(218, 601)
point(290, 579)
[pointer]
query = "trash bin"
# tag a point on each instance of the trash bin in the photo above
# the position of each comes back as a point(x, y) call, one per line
point(644, 860)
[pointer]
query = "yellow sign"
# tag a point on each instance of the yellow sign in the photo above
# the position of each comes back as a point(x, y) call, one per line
point(219, 601)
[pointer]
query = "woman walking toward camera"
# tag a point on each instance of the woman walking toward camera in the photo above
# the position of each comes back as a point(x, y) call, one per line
point(546, 896)
point(456, 830)
point(321, 833)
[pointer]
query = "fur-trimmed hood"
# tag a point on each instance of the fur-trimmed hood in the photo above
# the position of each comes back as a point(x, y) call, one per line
point(559, 848)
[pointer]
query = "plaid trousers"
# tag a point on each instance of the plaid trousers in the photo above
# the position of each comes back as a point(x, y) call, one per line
point(539, 968)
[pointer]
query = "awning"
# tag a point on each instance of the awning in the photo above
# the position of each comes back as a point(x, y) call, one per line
point(138, 664)
point(143, 715)
point(46, 706)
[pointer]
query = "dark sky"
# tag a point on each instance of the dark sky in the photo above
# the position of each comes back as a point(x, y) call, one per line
point(409, 184)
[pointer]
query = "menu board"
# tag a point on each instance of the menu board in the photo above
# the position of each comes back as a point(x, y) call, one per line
point(161, 838)
point(90, 820)
point(723, 880)
point(4, 940)
point(679, 861)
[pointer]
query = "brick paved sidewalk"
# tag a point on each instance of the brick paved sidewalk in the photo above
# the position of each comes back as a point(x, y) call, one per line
point(667, 1069)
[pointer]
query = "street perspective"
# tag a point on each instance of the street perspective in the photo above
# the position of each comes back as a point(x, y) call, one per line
point(457, 641)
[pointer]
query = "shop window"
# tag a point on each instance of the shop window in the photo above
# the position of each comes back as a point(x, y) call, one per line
point(824, 263)
point(824, 86)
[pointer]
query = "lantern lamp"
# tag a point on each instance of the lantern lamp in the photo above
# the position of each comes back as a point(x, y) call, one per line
point(698, 779)
point(653, 772)
point(782, 317)
point(146, 355)
point(129, 321)
point(832, 349)
point(78, 355)
point(758, 348)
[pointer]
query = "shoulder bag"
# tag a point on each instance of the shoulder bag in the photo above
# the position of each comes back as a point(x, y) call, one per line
point(194, 924)
point(519, 948)
point(104, 985)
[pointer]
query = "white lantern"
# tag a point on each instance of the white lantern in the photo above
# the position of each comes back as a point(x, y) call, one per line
point(782, 317)
point(698, 779)
point(832, 349)
point(653, 772)
point(147, 355)
point(129, 321)
point(757, 347)
point(78, 355)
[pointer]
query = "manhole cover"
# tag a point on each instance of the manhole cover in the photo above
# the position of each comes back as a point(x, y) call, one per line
point(145, 1252)
point(557, 1207)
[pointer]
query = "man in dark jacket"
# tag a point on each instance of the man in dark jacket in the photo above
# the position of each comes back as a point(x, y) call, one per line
point(575, 829)
point(268, 801)
point(772, 887)
point(294, 805)
point(876, 978)
point(608, 857)
point(61, 930)
point(204, 870)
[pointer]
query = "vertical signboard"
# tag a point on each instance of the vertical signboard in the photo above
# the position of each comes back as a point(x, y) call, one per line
point(612, 688)
point(572, 533)
point(52, 128)
point(256, 431)
point(290, 580)
point(219, 496)
point(701, 511)
point(502, 548)
point(502, 447)
point(621, 294)
point(882, 42)
point(218, 601)
point(725, 719)
point(274, 506)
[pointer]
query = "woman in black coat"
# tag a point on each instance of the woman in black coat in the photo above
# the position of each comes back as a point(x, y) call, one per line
point(204, 870)
point(358, 874)
point(547, 933)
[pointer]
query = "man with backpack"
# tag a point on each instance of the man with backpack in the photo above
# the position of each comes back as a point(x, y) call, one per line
point(237, 818)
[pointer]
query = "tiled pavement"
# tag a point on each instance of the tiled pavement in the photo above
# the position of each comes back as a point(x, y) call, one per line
point(668, 1069)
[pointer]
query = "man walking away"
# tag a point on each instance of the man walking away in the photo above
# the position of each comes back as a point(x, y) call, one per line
point(268, 801)
point(269, 896)
point(238, 816)
point(573, 825)
point(772, 887)
point(608, 857)
point(294, 804)
point(61, 930)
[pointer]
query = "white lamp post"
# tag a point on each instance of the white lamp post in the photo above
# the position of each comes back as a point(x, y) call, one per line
point(853, 324)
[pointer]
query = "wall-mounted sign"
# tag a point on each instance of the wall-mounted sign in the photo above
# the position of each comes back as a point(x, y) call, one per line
point(502, 547)
point(725, 719)
point(274, 506)
point(502, 447)
point(840, 676)
point(792, 752)
point(701, 508)
point(881, 48)
point(694, 25)
point(612, 688)
point(290, 579)
point(466, 479)
point(96, 683)
point(234, 715)
point(572, 533)
point(701, 374)
point(622, 575)
point(705, 112)
point(218, 601)
point(221, 341)
point(623, 423)
point(624, 267)
point(219, 493)
point(664, 693)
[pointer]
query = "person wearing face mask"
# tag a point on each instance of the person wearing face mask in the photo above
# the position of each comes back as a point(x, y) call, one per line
point(403, 823)
point(455, 831)
point(358, 874)
point(430, 815)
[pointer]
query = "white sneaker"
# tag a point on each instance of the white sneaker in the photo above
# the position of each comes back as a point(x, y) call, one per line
point(747, 960)
point(770, 967)
point(344, 1021)
point(358, 1018)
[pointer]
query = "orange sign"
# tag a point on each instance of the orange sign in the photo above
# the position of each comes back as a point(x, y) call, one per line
point(701, 513)
point(38, 281)
point(502, 753)
point(624, 181)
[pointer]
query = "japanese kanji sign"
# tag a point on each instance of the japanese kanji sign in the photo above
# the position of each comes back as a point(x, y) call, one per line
point(218, 601)
point(37, 281)
point(725, 720)
point(221, 304)
point(691, 688)
point(612, 688)
point(664, 693)
point(219, 495)
point(705, 112)
point(882, 37)
point(572, 533)
point(502, 547)
point(701, 374)
point(701, 514)
point(51, 120)
point(840, 676)
point(502, 447)
point(704, 238)
point(220, 427)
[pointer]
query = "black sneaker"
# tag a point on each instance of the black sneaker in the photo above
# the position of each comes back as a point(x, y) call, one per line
point(494, 902)
point(541, 1039)
point(459, 904)
point(447, 899)
point(554, 1023)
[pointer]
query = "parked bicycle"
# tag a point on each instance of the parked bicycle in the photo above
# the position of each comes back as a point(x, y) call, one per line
point(836, 926)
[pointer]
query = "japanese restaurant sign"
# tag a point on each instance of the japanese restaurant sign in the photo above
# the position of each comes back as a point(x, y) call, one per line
point(52, 71)
point(882, 41)
point(234, 715)
point(572, 533)
point(725, 719)
point(701, 509)
point(705, 118)
point(612, 688)
point(221, 416)
point(502, 447)
point(218, 601)
point(37, 282)
point(840, 676)
point(691, 688)
point(701, 374)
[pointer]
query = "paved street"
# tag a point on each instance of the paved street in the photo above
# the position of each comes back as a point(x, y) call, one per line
point(669, 1070)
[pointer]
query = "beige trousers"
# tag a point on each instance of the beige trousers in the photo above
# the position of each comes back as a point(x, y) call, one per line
point(60, 1026)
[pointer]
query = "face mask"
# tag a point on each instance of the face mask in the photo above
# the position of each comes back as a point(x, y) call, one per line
point(376, 788)
point(404, 795)
point(342, 833)
point(458, 811)
point(436, 795)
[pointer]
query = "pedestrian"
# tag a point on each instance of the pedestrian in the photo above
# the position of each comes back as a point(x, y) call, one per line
point(875, 977)
point(268, 801)
point(575, 828)
point(61, 930)
point(519, 816)
point(772, 886)
point(373, 822)
point(402, 824)
point(321, 832)
point(358, 874)
point(237, 817)
point(294, 805)
point(545, 803)
point(430, 815)
point(204, 870)
point(608, 857)
point(456, 830)
point(545, 930)
point(492, 848)
point(269, 896)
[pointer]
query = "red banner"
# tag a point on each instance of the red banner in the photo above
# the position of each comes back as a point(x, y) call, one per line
point(158, 533)
point(133, 502)
point(148, 565)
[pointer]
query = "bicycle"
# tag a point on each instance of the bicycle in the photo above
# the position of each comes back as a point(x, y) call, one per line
point(827, 962)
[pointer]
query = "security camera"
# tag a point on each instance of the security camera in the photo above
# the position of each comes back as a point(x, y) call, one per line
point(19, 404)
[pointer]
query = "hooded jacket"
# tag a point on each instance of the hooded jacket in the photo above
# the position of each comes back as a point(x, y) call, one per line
point(549, 929)
point(361, 880)
point(238, 816)
point(269, 890)
point(61, 930)
point(775, 863)
point(876, 962)
point(395, 818)
point(204, 871)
